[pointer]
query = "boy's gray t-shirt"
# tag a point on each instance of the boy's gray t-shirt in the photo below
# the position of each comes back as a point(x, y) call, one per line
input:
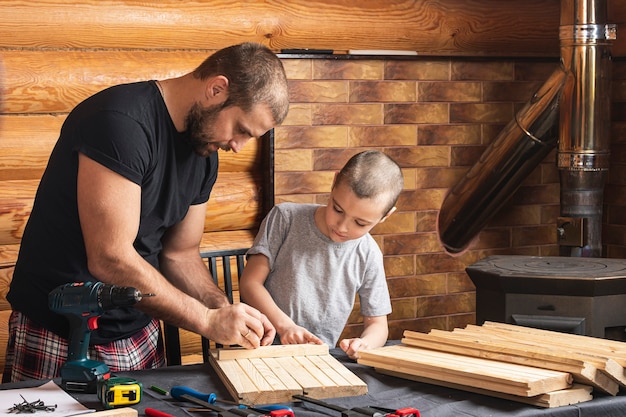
point(315, 280)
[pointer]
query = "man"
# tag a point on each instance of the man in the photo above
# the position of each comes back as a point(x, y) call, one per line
point(123, 201)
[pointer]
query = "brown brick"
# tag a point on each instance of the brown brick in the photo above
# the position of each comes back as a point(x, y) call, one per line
point(382, 91)
point(404, 308)
point(427, 69)
point(440, 262)
point(446, 304)
point(460, 321)
point(298, 137)
point(420, 156)
point(517, 215)
point(397, 266)
point(423, 325)
point(614, 235)
point(346, 114)
point(480, 112)
point(463, 134)
point(300, 160)
point(403, 135)
point(616, 215)
point(439, 177)
point(301, 183)
point(332, 159)
point(426, 221)
point(534, 235)
point(460, 282)
point(549, 171)
point(535, 71)
point(537, 194)
point(318, 91)
point(464, 156)
point(618, 132)
point(298, 69)
point(417, 285)
point(299, 115)
point(416, 113)
point(419, 200)
point(482, 70)
point(549, 213)
point(324, 69)
point(513, 91)
point(492, 237)
point(448, 91)
point(404, 244)
point(398, 222)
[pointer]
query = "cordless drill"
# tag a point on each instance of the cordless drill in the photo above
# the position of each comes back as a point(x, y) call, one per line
point(83, 303)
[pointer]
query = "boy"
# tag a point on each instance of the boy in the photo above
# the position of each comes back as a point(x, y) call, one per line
point(308, 261)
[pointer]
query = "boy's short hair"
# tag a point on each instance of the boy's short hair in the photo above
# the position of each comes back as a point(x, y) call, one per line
point(373, 174)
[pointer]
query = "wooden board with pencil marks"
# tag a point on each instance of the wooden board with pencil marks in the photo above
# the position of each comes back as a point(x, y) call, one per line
point(273, 374)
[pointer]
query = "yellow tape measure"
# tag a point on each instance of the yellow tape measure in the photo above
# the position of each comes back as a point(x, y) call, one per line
point(119, 391)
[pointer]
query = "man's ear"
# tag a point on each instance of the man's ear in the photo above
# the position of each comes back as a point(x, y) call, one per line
point(387, 215)
point(216, 90)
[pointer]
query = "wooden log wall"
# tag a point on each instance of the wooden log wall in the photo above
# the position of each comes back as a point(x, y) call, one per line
point(449, 27)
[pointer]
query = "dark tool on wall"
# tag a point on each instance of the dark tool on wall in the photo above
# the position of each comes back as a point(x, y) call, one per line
point(363, 411)
point(83, 303)
point(238, 412)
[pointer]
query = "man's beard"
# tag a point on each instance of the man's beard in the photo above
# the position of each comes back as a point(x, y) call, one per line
point(199, 123)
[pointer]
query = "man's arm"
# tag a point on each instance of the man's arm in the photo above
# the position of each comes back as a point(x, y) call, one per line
point(109, 211)
point(181, 263)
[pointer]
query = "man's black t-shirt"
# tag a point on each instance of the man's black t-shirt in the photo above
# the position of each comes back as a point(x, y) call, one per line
point(127, 129)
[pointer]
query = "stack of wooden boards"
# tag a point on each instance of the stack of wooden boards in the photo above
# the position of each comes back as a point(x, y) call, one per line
point(273, 374)
point(539, 367)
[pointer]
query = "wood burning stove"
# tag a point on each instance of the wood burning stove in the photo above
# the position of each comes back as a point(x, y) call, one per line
point(569, 294)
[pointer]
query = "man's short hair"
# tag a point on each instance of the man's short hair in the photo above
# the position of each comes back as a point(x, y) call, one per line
point(255, 74)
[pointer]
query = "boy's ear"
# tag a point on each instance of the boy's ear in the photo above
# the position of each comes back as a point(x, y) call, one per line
point(388, 214)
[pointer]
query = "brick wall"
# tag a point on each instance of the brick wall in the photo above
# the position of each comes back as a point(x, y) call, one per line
point(435, 116)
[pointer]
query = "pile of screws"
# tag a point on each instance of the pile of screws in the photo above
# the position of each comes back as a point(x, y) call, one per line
point(31, 407)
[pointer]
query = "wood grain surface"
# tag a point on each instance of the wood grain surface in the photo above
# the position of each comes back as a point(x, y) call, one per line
point(454, 27)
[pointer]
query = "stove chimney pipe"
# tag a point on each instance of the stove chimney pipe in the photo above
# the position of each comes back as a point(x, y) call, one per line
point(584, 146)
point(579, 93)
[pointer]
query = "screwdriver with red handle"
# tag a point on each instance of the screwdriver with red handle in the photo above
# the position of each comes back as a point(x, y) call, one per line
point(363, 411)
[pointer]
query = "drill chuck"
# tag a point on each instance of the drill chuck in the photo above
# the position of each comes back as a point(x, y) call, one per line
point(111, 296)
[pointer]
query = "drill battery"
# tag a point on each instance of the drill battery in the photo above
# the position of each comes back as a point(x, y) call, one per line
point(119, 391)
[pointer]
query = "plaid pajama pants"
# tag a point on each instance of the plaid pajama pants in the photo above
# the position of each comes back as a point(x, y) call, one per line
point(34, 352)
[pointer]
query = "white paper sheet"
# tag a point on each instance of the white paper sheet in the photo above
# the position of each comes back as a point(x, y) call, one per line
point(50, 393)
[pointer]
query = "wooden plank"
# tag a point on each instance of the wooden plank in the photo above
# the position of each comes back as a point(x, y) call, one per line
point(577, 393)
point(477, 28)
point(536, 356)
point(311, 386)
point(116, 412)
point(272, 351)
point(487, 374)
point(615, 348)
point(358, 386)
point(552, 345)
point(278, 372)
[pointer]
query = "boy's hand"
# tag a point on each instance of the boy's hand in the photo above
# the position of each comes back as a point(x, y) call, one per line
point(353, 346)
point(298, 335)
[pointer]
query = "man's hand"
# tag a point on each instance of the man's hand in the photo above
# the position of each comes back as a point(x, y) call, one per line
point(298, 335)
point(353, 346)
point(240, 324)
